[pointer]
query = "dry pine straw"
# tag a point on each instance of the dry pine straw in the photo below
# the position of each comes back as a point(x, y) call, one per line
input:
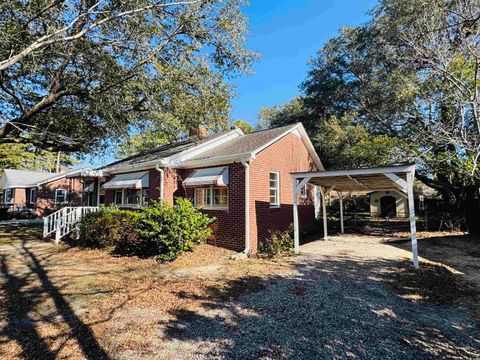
point(115, 296)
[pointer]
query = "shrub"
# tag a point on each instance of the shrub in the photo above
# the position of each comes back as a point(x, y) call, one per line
point(278, 243)
point(172, 230)
point(107, 227)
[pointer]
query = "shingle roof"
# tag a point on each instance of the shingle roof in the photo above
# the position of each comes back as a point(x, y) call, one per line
point(24, 178)
point(244, 144)
point(161, 152)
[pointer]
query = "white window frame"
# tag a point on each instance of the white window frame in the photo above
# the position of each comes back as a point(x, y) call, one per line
point(123, 202)
point(10, 192)
point(210, 191)
point(276, 204)
point(56, 196)
point(34, 191)
point(115, 197)
point(124, 198)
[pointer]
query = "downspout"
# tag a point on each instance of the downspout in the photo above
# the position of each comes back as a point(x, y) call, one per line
point(162, 175)
point(247, 206)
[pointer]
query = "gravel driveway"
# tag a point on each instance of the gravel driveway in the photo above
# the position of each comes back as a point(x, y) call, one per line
point(335, 304)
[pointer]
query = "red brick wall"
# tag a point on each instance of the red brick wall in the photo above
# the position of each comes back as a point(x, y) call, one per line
point(287, 155)
point(46, 194)
point(229, 227)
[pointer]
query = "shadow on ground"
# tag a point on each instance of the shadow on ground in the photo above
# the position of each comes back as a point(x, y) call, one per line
point(23, 291)
point(333, 308)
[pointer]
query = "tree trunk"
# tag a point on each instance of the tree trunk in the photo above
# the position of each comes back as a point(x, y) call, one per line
point(472, 210)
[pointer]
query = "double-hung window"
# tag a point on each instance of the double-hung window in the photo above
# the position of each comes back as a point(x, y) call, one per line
point(274, 189)
point(211, 197)
point(60, 196)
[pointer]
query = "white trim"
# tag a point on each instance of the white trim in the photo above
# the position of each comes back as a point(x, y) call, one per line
point(305, 138)
point(175, 160)
point(354, 172)
point(56, 196)
point(205, 146)
point(277, 189)
point(218, 160)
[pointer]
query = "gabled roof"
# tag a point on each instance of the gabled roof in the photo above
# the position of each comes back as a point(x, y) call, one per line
point(12, 178)
point(160, 152)
point(219, 149)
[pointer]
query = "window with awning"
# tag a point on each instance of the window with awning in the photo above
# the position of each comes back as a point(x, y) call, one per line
point(138, 180)
point(217, 176)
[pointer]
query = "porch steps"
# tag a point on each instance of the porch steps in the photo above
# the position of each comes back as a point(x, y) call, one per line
point(64, 221)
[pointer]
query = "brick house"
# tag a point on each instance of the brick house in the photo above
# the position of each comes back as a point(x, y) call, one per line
point(243, 180)
point(40, 192)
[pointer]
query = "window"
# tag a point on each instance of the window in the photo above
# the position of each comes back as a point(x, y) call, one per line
point(132, 197)
point(119, 197)
point(8, 196)
point(60, 196)
point(211, 197)
point(220, 197)
point(32, 196)
point(274, 189)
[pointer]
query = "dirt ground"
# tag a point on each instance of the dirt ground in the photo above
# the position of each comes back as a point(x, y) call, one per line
point(348, 297)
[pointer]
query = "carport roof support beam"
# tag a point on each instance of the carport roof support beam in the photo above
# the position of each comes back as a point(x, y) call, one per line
point(402, 184)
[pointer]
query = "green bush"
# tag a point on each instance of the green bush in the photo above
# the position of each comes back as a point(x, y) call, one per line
point(172, 230)
point(157, 230)
point(278, 243)
point(108, 227)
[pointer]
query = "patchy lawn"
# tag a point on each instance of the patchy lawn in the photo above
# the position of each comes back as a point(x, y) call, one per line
point(348, 297)
point(20, 232)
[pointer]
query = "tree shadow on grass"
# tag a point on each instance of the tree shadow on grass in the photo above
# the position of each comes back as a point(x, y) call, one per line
point(331, 308)
point(23, 292)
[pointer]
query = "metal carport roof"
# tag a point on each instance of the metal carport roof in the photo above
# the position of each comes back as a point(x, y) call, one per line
point(399, 177)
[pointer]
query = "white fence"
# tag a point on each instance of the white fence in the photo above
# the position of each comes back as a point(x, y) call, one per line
point(64, 221)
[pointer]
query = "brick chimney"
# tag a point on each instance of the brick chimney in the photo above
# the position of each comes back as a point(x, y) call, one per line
point(200, 132)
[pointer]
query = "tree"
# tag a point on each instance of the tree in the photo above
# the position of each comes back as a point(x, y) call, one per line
point(76, 73)
point(411, 73)
point(27, 157)
point(242, 124)
point(340, 142)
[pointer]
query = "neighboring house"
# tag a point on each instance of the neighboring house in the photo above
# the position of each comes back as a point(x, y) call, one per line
point(391, 203)
point(40, 192)
point(394, 203)
point(243, 180)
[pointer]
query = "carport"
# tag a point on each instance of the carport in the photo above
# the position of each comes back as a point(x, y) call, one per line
point(356, 180)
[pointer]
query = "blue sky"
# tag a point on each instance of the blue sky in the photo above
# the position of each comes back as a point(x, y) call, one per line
point(286, 34)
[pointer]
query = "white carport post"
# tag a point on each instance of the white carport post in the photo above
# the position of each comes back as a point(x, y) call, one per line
point(296, 232)
point(340, 195)
point(296, 235)
point(411, 211)
point(323, 191)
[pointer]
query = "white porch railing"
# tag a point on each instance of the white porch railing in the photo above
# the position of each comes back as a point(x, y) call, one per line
point(64, 221)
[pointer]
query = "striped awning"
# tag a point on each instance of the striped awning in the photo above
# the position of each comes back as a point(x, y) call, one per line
point(217, 176)
point(136, 180)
